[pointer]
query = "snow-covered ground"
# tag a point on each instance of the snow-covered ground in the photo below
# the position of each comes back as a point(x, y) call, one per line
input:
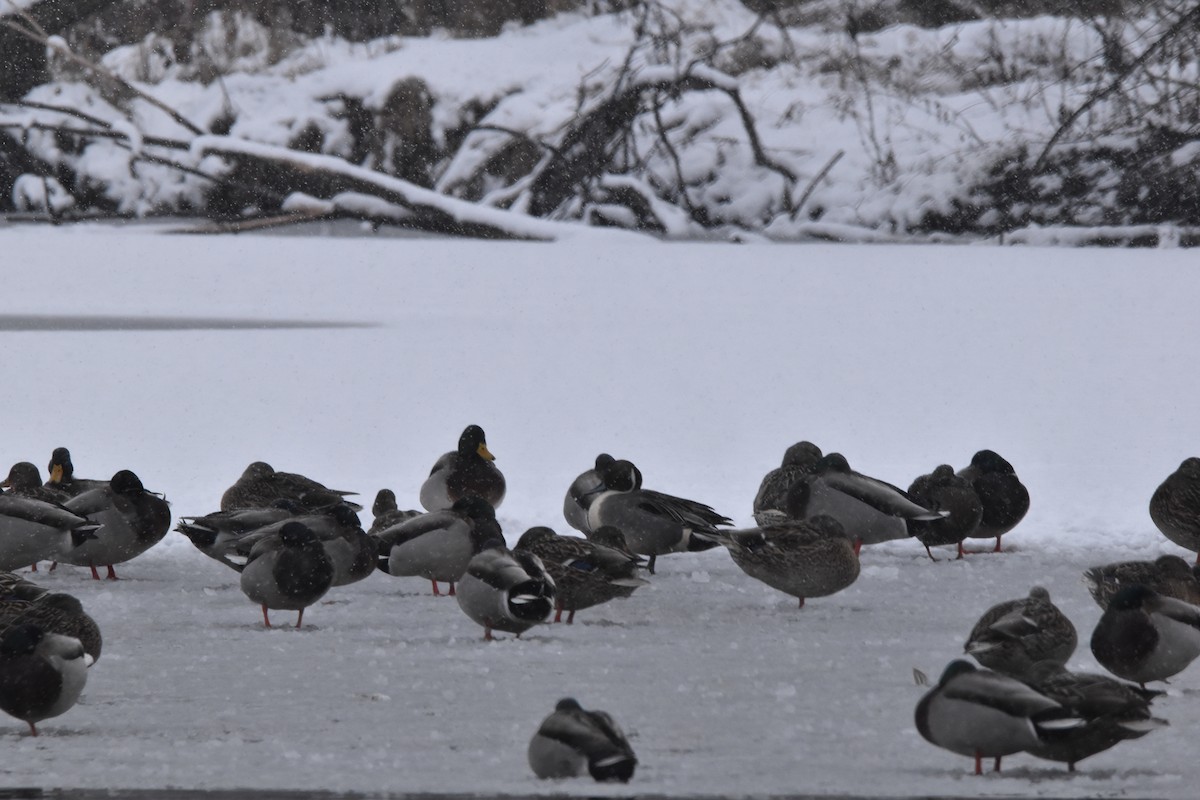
point(701, 363)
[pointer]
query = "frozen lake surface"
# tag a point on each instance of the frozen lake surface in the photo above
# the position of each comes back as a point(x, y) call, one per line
point(359, 361)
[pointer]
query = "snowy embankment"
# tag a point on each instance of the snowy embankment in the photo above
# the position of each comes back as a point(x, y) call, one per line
point(701, 364)
point(893, 133)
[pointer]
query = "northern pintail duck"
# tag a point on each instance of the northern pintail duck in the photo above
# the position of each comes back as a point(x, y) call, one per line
point(53, 612)
point(1168, 575)
point(261, 485)
point(62, 475)
point(653, 523)
point(1144, 636)
point(799, 461)
point(467, 471)
point(354, 554)
point(1175, 506)
point(438, 545)
point(41, 674)
point(982, 714)
point(872, 511)
point(574, 741)
point(942, 490)
point(586, 573)
point(386, 512)
point(289, 571)
point(1111, 712)
point(133, 520)
point(34, 530)
point(1014, 635)
point(1005, 499)
point(802, 557)
point(506, 590)
point(216, 535)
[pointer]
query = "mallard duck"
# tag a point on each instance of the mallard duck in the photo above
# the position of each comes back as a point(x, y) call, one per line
point(41, 674)
point(34, 530)
point(24, 480)
point(133, 520)
point(1175, 506)
point(505, 590)
point(1111, 712)
point(871, 510)
point(438, 545)
point(983, 714)
point(573, 741)
point(261, 485)
point(14, 587)
point(467, 471)
point(1005, 499)
point(942, 490)
point(802, 557)
point(1014, 635)
point(289, 571)
point(1168, 575)
point(54, 612)
point(1143, 636)
point(799, 461)
point(653, 523)
point(585, 572)
point(62, 475)
point(387, 512)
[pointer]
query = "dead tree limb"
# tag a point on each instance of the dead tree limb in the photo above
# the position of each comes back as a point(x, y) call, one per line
point(586, 150)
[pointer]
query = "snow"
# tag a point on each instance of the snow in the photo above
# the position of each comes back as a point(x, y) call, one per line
point(699, 362)
point(918, 116)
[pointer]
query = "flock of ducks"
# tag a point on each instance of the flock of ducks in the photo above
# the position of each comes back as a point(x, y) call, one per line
point(292, 539)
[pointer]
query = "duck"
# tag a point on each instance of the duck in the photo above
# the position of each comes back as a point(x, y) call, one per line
point(386, 512)
point(34, 530)
point(505, 590)
point(290, 571)
point(653, 523)
point(216, 535)
point(62, 475)
point(872, 511)
point(25, 480)
point(133, 520)
point(812, 557)
point(1005, 499)
point(1014, 635)
point(1144, 636)
point(42, 674)
point(798, 464)
point(1168, 575)
point(1111, 712)
point(261, 485)
point(574, 741)
point(1175, 506)
point(354, 554)
point(983, 714)
point(438, 545)
point(15, 587)
point(469, 470)
point(54, 612)
point(942, 490)
point(586, 573)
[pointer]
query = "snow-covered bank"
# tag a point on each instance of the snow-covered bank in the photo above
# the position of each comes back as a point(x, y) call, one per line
point(699, 362)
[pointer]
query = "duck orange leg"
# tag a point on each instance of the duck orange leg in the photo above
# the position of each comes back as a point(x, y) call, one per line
point(266, 619)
